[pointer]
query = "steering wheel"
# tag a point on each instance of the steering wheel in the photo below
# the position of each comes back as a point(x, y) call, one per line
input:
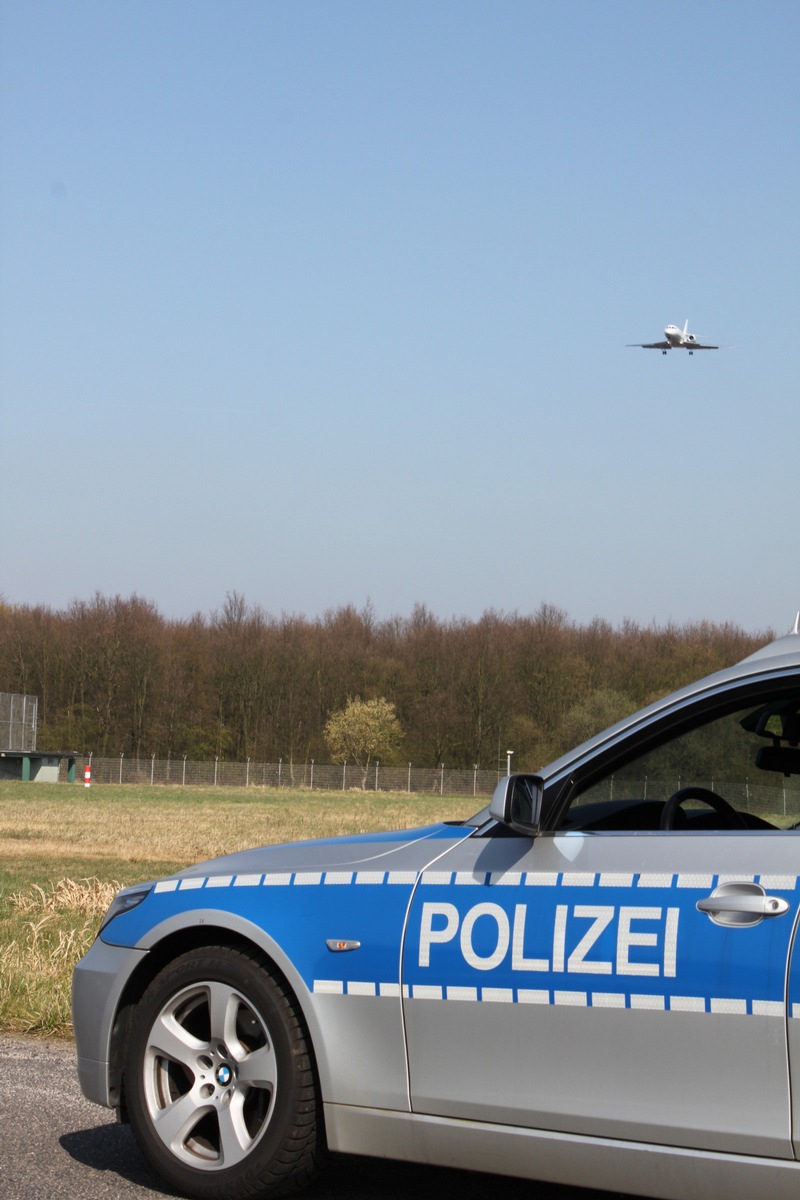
point(693, 792)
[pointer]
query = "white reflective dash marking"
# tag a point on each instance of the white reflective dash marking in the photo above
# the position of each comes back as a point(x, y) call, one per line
point(358, 988)
point(370, 876)
point(608, 1000)
point(388, 989)
point(795, 1011)
point(768, 1008)
point(338, 877)
point(694, 1004)
point(729, 1006)
point(574, 999)
point(470, 879)
point(615, 879)
point(438, 877)
point(533, 996)
point(329, 987)
point(671, 942)
point(655, 879)
point(190, 885)
point(541, 878)
point(247, 881)
point(280, 879)
point(462, 993)
point(307, 878)
point(409, 878)
point(695, 881)
point(497, 995)
point(656, 1003)
point(167, 885)
point(577, 879)
point(735, 879)
point(426, 991)
point(785, 882)
point(505, 878)
point(219, 881)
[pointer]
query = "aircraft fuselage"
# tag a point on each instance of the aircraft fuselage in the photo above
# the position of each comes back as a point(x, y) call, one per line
point(676, 339)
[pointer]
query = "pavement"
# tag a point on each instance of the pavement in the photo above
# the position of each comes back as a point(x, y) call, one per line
point(54, 1143)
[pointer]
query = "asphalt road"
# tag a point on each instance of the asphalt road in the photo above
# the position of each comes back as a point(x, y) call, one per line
point(53, 1142)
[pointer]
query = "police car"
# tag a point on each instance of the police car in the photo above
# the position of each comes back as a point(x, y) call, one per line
point(594, 981)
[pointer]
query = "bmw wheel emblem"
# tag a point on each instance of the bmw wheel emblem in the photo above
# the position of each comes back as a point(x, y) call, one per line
point(224, 1074)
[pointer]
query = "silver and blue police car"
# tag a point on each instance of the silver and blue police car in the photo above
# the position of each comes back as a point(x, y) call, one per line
point(595, 981)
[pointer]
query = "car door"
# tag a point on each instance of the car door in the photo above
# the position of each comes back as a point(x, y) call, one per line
point(615, 982)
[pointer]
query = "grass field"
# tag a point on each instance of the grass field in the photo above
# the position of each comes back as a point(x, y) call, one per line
point(65, 850)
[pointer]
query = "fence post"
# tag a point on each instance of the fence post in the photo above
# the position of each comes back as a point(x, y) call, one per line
point(416, 777)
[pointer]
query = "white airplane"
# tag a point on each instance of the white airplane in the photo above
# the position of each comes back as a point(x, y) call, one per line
point(677, 339)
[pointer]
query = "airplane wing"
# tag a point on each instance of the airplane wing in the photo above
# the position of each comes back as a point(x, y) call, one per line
point(651, 345)
point(699, 346)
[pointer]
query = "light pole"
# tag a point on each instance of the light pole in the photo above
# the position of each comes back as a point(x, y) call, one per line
point(508, 761)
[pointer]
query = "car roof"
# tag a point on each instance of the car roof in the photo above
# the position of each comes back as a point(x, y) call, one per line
point(782, 647)
point(781, 655)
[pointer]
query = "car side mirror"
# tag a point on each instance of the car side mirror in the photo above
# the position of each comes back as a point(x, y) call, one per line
point(517, 802)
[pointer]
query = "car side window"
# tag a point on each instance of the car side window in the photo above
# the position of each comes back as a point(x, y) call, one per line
point(737, 770)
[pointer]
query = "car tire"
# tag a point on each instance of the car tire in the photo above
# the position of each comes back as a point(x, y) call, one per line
point(219, 1078)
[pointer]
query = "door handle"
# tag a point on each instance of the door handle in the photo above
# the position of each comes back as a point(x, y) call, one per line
point(741, 904)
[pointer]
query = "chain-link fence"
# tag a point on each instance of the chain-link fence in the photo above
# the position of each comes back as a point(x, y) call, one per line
point(180, 772)
point(769, 800)
point(18, 716)
point(778, 802)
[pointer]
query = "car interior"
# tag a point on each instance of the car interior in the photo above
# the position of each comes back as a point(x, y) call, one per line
point(738, 771)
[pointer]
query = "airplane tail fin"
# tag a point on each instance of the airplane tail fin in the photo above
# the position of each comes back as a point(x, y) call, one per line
point(686, 327)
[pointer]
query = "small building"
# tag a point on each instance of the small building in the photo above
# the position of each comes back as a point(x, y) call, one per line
point(19, 758)
point(32, 764)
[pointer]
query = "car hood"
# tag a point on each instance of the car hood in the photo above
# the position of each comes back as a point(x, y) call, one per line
point(400, 849)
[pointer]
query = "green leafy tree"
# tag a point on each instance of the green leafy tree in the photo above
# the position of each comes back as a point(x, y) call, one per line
point(362, 731)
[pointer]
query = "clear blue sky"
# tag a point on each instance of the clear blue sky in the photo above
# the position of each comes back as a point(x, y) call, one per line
point(327, 302)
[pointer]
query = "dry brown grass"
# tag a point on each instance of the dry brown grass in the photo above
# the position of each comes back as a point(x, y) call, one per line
point(88, 896)
point(65, 851)
point(54, 927)
point(188, 824)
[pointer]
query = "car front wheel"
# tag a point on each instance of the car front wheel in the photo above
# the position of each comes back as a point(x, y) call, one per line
point(219, 1078)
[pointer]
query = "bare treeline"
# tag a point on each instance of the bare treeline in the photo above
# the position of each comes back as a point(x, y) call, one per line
point(114, 676)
